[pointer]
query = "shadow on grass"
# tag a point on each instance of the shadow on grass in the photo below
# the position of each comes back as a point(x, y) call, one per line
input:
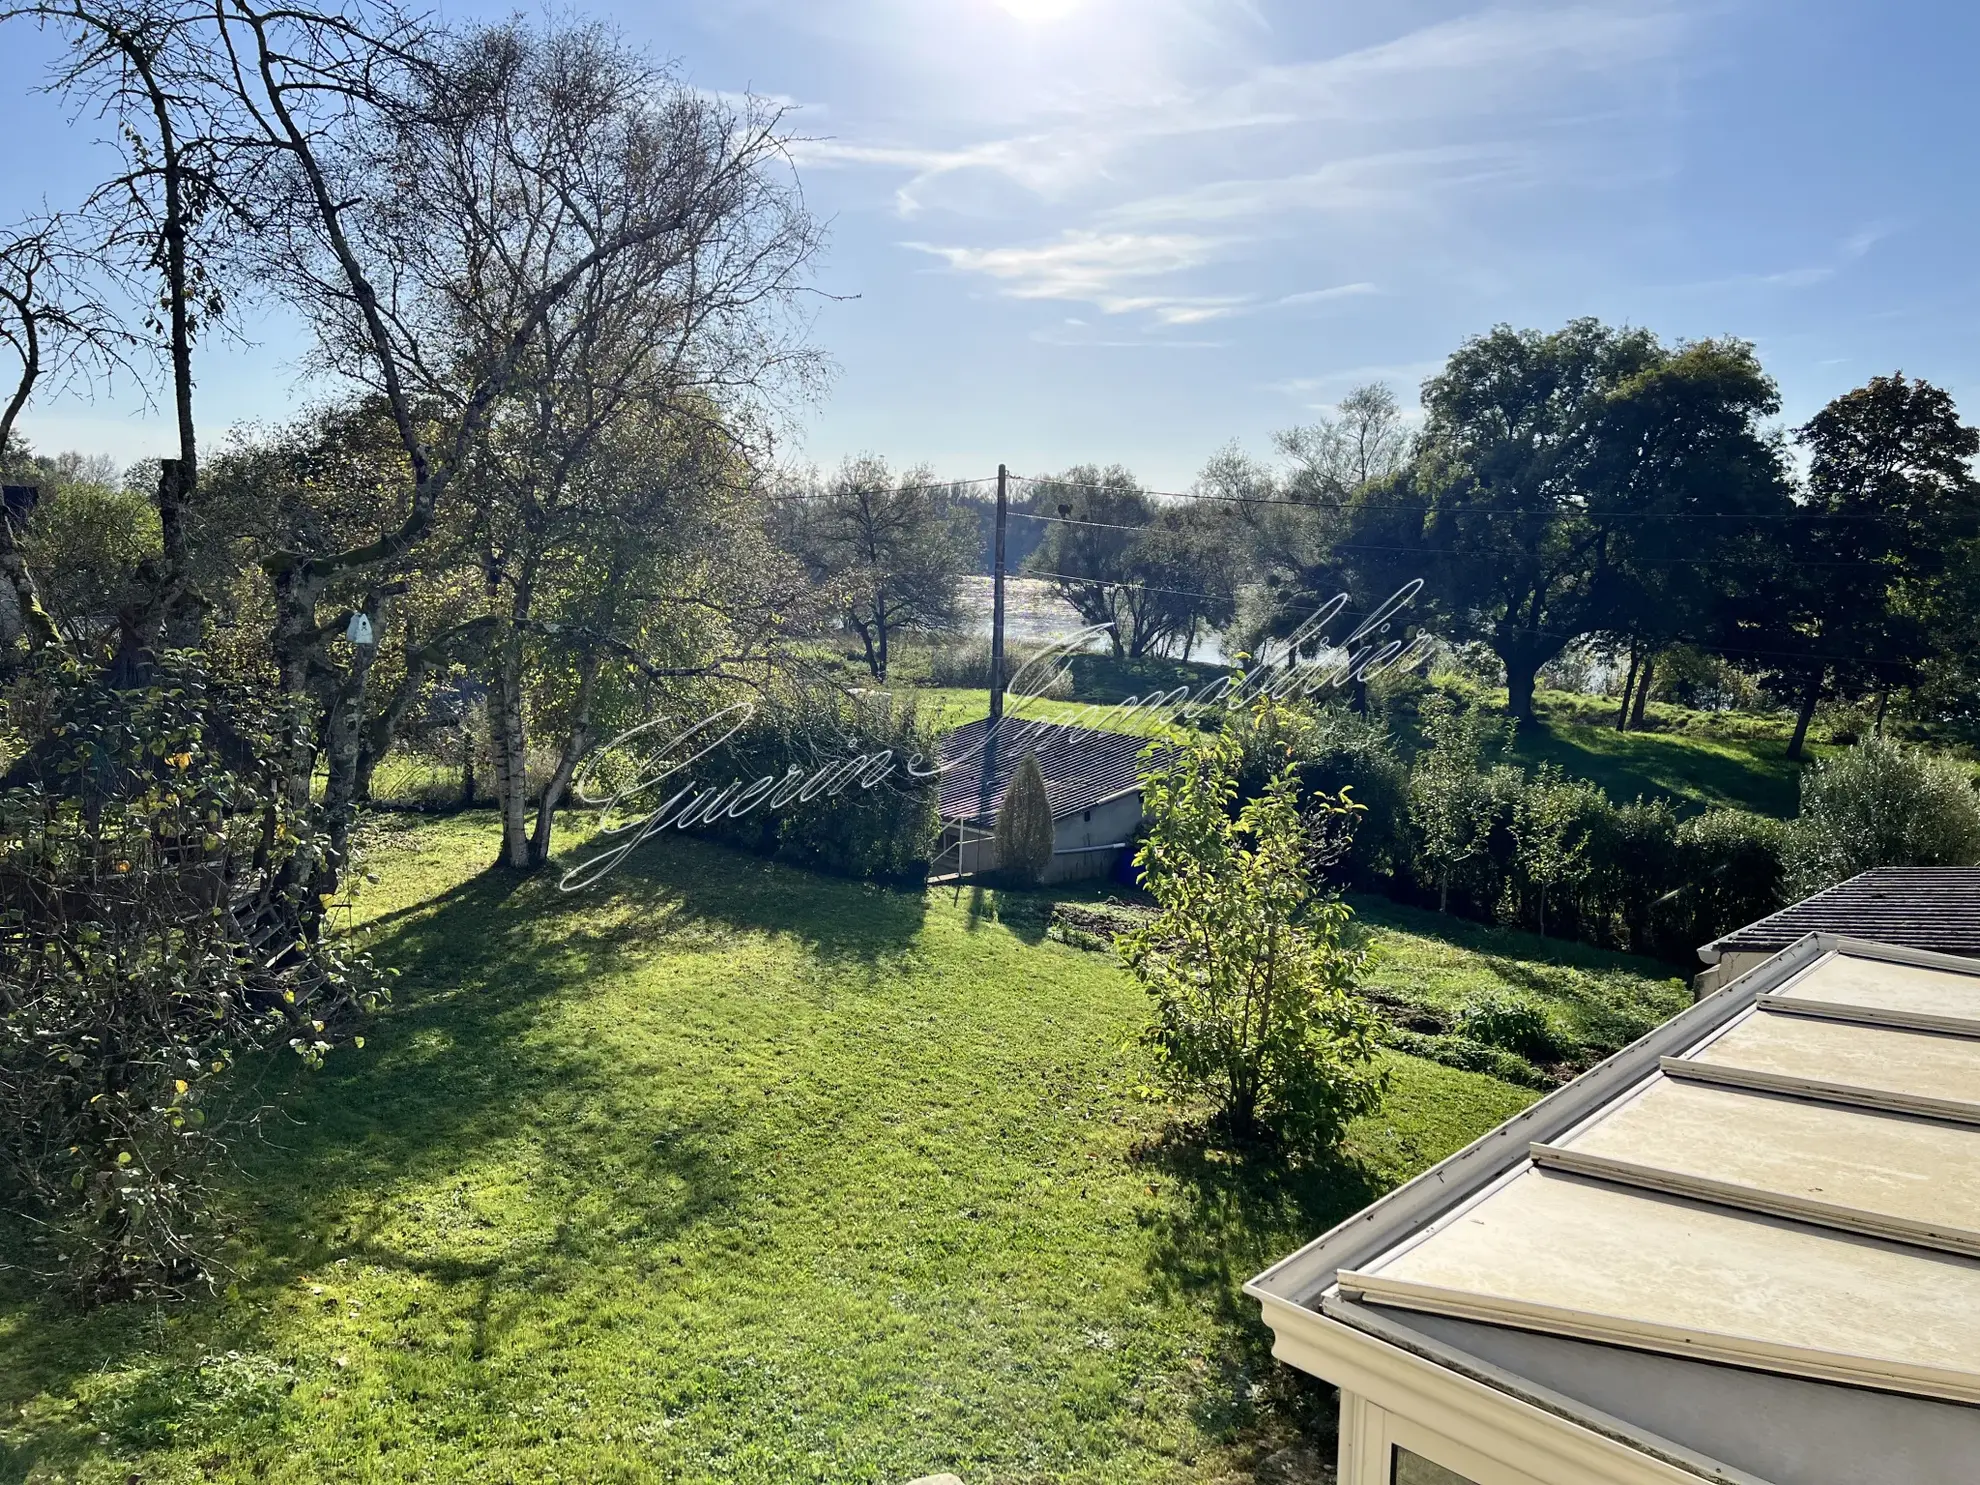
point(1243, 1207)
point(1694, 773)
point(452, 1069)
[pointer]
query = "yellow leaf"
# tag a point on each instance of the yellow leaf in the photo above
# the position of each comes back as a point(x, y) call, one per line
point(182, 1085)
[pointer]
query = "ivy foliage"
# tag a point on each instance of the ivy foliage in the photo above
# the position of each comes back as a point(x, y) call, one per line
point(152, 938)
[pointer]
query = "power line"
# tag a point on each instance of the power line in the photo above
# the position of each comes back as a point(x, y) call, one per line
point(1484, 552)
point(1425, 509)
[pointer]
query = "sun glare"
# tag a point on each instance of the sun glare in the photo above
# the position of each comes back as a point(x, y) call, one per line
point(1037, 12)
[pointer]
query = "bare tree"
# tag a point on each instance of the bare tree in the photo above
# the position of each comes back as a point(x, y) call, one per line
point(163, 225)
point(893, 549)
point(1366, 439)
point(447, 201)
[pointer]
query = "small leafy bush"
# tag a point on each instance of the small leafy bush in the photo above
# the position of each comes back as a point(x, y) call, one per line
point(1511, 1022)
point(886, 831)
point(1881, 804)
point(1253, 986)
point(1469, 1055)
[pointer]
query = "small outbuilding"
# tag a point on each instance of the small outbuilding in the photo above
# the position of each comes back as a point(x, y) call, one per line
point(1745, 1249)
point(1092, 778)
point(1914, 907)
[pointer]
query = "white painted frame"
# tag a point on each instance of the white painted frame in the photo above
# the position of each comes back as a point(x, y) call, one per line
point(1393, 1396)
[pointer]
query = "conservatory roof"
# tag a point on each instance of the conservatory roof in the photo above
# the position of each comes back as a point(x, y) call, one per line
point(1777, 1193)
point(1917, 907)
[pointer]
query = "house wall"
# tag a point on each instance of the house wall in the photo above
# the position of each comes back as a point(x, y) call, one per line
point(1084, 843)
point(1077, 837)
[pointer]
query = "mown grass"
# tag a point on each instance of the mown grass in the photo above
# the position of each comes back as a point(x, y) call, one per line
point(1697, 760)
point(1597, 1001)
point(721, 1171)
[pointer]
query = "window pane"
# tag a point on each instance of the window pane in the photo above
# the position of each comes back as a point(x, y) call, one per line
point(1414, 1469)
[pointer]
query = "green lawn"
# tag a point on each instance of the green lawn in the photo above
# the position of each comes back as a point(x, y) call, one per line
point(722, 1171)
point(1597, 1000)
point(1697, 760)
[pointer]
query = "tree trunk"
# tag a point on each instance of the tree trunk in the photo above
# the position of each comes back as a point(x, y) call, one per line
point(23, 617)
point(1883, 703)
point(1810, 695)
point(1643, 684)
point(467, 766)
point(1520, 674)
point(511, 749)
point(343, 737)
point(576, 745)
point(1629, 688)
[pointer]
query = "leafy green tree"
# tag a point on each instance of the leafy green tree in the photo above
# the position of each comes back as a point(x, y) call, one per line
point(148, 862)
point(1024, 831)
point(1254, 988)
point(892, 548)
point(1087, 556)
point(1552, 826)
point(1892, 512)
point(1690, 491)
point(1451, 799)
point(1494, 512)
point(1881, 804)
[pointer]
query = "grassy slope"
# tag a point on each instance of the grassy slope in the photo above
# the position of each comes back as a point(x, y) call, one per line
point(1598, 1000)
point(1698, 760)
point(723, 1171)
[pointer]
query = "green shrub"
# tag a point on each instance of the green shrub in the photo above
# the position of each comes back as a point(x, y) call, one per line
point(1253, 987)
point(1730, 870)
point(1024, 831)
point(1454, 799)
point(1633, 864)
point(887, 831)
point(1554, 822)
point(1467, 1055)
point(1334, 750)
point(1881, 804)
point(154, 932)
point(1511, 1022)
point(966, 663)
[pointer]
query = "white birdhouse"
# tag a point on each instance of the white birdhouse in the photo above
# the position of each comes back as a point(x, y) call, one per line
point(358, 631)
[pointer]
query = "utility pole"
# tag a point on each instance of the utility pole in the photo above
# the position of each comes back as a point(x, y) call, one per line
point(997, 608)
point(995, 725)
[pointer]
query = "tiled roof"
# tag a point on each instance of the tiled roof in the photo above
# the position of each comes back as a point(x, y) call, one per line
point(1082, 766)
point(1920, 907)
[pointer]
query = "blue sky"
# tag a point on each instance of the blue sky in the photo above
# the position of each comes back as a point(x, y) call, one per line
point(1133, 230)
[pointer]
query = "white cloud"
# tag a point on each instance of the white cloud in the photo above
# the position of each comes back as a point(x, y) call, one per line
point(1390, 179)
point(1098, 268)
point(1339, 291)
